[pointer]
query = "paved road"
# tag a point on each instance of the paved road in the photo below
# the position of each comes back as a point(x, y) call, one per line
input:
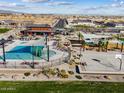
point(61, 23)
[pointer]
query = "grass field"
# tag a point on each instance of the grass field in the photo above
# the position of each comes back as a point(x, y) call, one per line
point(4, 30)
point(61, 87)
point(122, 39)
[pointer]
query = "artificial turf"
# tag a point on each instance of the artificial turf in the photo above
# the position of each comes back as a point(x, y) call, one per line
point(4, 30)
point(61, 87)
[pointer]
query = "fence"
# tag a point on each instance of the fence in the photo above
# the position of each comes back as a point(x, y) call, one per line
point(51, 63)
point(56, 62)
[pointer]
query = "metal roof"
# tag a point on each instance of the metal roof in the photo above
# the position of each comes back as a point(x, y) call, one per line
point(38, 31)
point(38, 25)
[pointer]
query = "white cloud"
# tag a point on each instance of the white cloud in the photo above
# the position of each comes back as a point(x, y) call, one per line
point(57, 3)
point(118, 4)
point(122, 2)
point(6, 5)
point(113, 8)
point(35, 1)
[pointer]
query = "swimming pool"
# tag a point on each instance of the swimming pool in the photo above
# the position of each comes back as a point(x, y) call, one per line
point(28, 53)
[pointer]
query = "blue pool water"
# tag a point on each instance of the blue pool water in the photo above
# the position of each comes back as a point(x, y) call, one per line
point(26, 53)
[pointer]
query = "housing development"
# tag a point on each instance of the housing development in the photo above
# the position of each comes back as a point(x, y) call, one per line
point(75, 53)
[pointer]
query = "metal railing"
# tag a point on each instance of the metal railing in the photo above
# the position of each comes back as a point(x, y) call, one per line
point(51, 63)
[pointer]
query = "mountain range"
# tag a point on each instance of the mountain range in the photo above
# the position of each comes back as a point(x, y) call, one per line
point(8, 12)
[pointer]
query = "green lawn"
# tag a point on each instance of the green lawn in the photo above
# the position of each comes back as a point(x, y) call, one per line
point(61, 87)
point(122, 39)
point(4, 30)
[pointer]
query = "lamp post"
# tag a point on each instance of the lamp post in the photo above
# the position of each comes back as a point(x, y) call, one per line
point(120, 63)
point(122, 47)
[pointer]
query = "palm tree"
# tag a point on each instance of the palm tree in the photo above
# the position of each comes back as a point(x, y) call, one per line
point(80, 36)
point(99, 45)
point(83, 44)
point(103, 45)
point(81, 41)
point(122, 47)
point(117, 46)
point(107, 46)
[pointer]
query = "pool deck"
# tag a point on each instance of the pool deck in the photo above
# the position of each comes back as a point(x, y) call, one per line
point(17, 63)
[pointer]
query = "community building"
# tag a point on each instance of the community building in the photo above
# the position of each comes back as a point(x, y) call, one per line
point(38, 29)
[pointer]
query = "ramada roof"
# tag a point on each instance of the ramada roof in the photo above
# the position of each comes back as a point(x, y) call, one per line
point(38, 25)
point(37, 31)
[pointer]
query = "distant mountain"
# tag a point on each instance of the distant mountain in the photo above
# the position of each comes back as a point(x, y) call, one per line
point(8, 12)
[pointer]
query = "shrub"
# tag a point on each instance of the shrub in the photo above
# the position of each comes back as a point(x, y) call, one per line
point(52, 72)
point(78, 77)
point(27, 74)
point(63, 71)
point(48, 72)
point(63, 74)
point(71, 72)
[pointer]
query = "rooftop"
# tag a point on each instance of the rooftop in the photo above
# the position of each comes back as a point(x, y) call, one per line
point(38, 25)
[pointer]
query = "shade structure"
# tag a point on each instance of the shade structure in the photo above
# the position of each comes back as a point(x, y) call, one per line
point(37, 51)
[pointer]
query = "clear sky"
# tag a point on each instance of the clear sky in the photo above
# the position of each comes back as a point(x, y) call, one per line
point(102, 7)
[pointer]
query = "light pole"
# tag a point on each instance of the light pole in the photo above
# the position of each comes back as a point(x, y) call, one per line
point(120, 63)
